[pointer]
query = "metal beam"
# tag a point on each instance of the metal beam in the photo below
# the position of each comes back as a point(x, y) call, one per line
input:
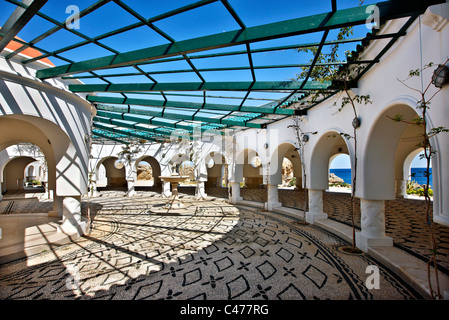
point(104, 136)
point(127, 114)
point(18, 19)
point(200, 86)
point(189, 105)
point(315, 23)
point(123, 132)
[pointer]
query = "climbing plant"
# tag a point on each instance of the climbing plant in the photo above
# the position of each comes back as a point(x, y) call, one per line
point(429, 151)
point(326, 70)
point(301, 139)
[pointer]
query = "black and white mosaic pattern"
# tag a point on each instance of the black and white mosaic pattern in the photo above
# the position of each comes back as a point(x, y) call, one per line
point(212, 251)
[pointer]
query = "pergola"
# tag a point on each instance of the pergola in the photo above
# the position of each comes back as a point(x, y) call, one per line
point(125, 87)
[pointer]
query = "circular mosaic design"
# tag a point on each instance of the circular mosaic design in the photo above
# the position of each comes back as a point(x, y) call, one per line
point(216, 251)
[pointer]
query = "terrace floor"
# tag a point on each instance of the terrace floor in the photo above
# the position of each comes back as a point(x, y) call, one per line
point(213, 250)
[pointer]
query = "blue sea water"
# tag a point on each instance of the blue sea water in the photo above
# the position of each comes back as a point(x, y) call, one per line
point(417, 174)
point(345, 174)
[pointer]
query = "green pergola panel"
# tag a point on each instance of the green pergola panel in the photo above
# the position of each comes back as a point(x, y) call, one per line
point(270, 109)
point(309, 24)
point(203, 86)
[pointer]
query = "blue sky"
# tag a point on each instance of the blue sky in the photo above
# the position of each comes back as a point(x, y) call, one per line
point(206, 20)
point(209, 19)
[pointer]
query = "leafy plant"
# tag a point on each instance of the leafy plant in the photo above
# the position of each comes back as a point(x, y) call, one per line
point(301, 142)
point(429, 152)
point(327, 70)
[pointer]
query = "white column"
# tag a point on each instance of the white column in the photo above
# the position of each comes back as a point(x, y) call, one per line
point(57, 206)
point(401, 188)
point(315, 206)
point(131, 187)
point(373, 225)
point(235, 192)
point(200, 192)
point(165, 189)
point(272, 197)
point(71, 220)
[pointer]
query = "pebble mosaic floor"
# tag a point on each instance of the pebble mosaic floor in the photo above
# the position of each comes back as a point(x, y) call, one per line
point(404, 219)
point(213, 250)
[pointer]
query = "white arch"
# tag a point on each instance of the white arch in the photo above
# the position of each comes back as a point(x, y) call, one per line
point(324, 148)
point(381, 144)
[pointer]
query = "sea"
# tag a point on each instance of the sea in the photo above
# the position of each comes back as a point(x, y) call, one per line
point(417, 174)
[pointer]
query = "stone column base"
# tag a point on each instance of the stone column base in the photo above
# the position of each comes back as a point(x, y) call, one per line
point(166, 193)
point(311, 217)
point(235, 192)
point(72, 222)
point(315, 206)
point(200, 192)
point(364, 241)
point(131, 189)
point(272, 198)
point(373, 225)
point(272, 205)
point(57, 208)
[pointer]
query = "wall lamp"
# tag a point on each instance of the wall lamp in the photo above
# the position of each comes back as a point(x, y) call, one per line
point(440, 76)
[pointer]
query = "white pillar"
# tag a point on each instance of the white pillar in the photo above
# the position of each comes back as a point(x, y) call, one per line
point(401, 188)
point(373, 225)
point(71, 220)
point(235, 192)
point(315, 206)
point(272, 198)
point(165, 189)
point(57, 207)
point(131, 187)
point(200, 192)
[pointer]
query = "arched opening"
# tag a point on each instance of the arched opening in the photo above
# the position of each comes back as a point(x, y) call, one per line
point(148, 171)
point(67, 181)
point(216, 175)
point(251, 170)
point(18, 176)
point(328, 148)
point(115, 176)
point(33, 175)
point(215, 165)
point(288, 178)
point(285, 167)
point(248, 173)
point(387, 148)
point(415, 177)
point(340, 173)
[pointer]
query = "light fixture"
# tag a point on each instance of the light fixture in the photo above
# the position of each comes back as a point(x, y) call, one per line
point(118, 164)
point(356, 123)
point(440, 76)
